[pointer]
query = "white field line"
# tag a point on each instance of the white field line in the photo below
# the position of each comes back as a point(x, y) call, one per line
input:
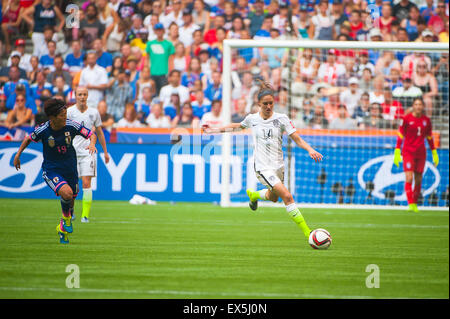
point(192, 293)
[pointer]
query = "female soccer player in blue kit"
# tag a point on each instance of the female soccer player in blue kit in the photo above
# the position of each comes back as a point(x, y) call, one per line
point(60, 160)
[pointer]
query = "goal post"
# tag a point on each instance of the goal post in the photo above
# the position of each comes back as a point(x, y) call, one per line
point(356, 141)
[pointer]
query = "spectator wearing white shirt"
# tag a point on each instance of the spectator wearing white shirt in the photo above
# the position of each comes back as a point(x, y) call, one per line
point(175, 15)
point(129, 117)
point(213, 119)
point(187, 30)
point(157, 119)
point(95, 78)
point(350, 97)
point(174, 86)
point(24, 57)
point(328, 72)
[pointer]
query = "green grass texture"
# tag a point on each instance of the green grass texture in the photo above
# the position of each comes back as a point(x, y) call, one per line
point(203, 251)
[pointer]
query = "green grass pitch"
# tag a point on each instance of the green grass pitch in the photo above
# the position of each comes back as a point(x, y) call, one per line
point(204, 251)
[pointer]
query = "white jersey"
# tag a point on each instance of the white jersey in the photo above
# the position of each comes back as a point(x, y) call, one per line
point(89, 118)
point(268, 139)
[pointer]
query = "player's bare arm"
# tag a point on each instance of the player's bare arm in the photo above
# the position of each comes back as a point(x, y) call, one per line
point(23, 146)
point(233, 127)
point(303, 144)
point(102, 140)
point(92, 149)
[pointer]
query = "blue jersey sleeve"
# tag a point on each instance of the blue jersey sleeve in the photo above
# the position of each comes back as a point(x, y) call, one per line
point(36, 135)
point(79, 129)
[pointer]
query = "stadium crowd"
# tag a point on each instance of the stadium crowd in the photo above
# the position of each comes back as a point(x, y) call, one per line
point(159, 63)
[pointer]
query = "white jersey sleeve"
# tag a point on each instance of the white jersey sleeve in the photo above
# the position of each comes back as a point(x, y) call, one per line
point(287, 125)
point(246, 122)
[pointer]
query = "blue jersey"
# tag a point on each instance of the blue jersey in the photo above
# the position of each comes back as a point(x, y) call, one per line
point(59, 154)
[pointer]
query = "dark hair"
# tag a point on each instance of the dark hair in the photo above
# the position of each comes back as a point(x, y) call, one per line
point(265, 88)
point(174, 71)
point(48, 27)
point(92, 5)
point(215, 102)
point(53, 106)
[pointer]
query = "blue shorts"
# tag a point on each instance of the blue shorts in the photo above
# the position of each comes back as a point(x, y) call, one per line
point(55, 181)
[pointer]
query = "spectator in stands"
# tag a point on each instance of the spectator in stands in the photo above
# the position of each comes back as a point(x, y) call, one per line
point(157, 119)
point(104, 59)
point(14, 85)
point(40, 85)
point(427, 83)
point(362, 111)
point(264, 31)
point(187, 29)
point(342, 121)
point(214, 89)
point(143, 104)
point(392, 109)
point(40, 16)
point(337, 13)
point(129, 117)
point(47, 60)
point(437, 22)
point(444, 35)
point(173, 107)
point(127, 9)
point(90, 27)
point(402, 8)
point(407, 93)
point(428, 10)
point(394, 79)
point(350, 71)
point(201, 105)
point(115, 35)
point(58, 64)
point(74, 60)
point(201, 16)
point(107, 119)
point(256, 17)
point(409, 64)
point(323, 23)
point(174, 86)
point(319, 121)
point(61, 87)
point(193, 73)
point(385, 63)
point(411, 23)
point(377, 94)
point(375, 119)
point(106, 14)
point(159, 51)
point(119, 94)
point(145, 81)
point(241, 113)
point(350, 97)
point(11, 18)
point(15, 61)
point(20, 115)
point(132, 73)
point(136, 25)
point(94, 78)
point(213, 118)
point(3, 109)
point(25, 58)
point(186, 118)
point(175, 15)
point(384, 22)
point(35, 68)
point(329, 71)
point(331, 107)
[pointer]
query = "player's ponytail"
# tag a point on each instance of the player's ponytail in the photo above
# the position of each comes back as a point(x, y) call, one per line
point(265, 88)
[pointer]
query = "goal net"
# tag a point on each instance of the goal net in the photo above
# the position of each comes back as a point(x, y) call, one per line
point(346, 99)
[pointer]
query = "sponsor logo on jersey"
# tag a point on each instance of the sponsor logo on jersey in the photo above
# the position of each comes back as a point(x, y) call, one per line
point(424, 123)
point(51, 141)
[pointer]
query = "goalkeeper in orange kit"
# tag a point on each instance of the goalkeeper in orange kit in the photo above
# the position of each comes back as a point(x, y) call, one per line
point(415, 127)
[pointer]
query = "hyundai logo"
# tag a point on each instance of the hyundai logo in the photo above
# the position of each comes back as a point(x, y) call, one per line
point(30, 169)
point(384, 177)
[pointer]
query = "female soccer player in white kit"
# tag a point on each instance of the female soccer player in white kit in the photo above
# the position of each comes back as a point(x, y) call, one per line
point(267, 129)
point(87, 163)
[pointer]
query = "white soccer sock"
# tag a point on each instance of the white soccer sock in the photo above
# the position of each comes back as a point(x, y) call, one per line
point(262, 194)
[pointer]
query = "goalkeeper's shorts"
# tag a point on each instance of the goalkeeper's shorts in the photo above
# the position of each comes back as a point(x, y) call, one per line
point(413, 162)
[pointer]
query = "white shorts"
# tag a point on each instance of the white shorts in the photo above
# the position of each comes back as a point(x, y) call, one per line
point(270, 178)
point(87, 165)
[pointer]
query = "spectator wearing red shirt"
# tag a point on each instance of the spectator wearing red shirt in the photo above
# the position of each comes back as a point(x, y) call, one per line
point(392, 109)
point(437, 22)
point(355, 23)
